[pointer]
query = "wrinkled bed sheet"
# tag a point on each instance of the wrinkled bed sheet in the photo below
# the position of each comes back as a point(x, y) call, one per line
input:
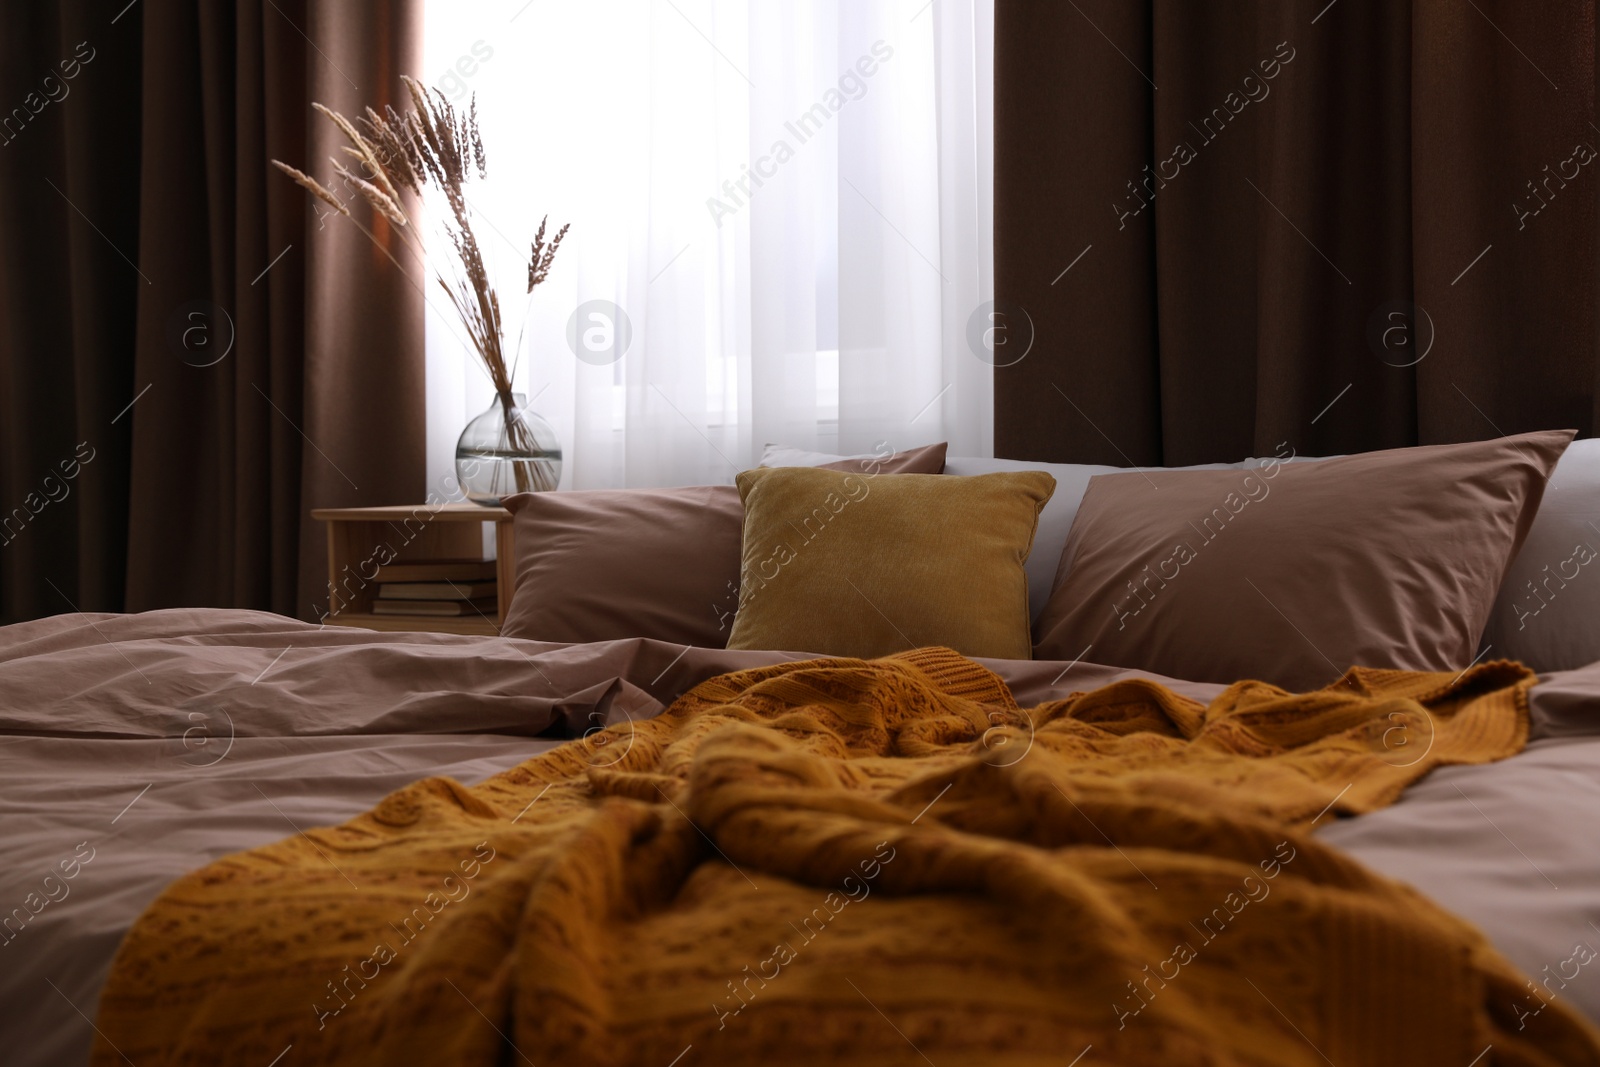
point(134, 748)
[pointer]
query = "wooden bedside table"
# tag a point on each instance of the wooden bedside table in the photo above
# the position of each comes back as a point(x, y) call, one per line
point(360, 540)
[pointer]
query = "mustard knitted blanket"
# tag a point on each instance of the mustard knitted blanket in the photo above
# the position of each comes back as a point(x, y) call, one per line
point(868, 862)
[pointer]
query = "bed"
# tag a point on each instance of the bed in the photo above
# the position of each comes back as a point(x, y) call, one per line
point(135, 749)
point(166, 740)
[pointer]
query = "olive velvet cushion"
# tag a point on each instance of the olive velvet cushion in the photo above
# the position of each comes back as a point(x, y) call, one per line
point(847, 564)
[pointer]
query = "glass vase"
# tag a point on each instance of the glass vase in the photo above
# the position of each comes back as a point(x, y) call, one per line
point(508, 449)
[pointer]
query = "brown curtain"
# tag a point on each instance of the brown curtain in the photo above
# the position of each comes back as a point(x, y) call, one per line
point(1279, 207)
point(69, 145)
point(272, 360)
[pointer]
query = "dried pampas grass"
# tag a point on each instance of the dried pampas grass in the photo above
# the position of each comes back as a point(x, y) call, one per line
point(431, 151)
point(312, 184)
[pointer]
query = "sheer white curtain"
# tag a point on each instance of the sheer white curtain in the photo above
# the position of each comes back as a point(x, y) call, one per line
point(789, 202)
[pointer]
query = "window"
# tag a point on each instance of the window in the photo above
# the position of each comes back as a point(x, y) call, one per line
point(787, 205)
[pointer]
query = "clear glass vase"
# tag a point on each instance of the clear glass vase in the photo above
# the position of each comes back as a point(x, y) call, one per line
point(508, 449)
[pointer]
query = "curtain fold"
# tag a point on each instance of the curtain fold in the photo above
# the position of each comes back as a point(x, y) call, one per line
point(67, 304)
point(1303, 223)
point(365, 438)
point(178, 326)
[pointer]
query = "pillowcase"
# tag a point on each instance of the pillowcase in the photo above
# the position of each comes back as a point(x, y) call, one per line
point(850, 565)
point(1296, 571)
point(1056, 518)
point(1548, 613)
point(1527, 623)
point(928, 459)
point(602, 565)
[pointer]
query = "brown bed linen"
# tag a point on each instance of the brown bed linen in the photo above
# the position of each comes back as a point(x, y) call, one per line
point(594, 905)
point(662, 564)
point(1295, 571)
point(99, 706)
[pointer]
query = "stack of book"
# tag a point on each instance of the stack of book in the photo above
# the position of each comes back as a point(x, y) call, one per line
point(437, 587)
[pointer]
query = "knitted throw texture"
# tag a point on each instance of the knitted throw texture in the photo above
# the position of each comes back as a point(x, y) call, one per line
point(862, 863)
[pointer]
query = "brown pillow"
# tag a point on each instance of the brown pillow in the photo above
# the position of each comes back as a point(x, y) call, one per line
point(852, 565)
point(1293, 572)
point(925, 459)
point(601, 565)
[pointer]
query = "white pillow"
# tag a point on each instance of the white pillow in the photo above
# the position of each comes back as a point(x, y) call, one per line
point(1548, 612)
